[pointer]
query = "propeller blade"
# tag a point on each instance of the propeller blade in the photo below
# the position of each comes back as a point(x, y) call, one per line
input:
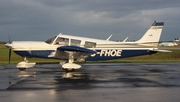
point(10, 40)
point(9, 45)
point(9, 55)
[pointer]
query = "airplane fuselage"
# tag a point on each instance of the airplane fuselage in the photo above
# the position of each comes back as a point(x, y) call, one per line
point(44, 50)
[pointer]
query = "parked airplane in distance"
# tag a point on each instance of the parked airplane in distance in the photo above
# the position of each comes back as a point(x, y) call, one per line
point(67, 48)
point(168, 44)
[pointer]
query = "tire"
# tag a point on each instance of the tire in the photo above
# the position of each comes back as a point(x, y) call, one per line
point(21, 69)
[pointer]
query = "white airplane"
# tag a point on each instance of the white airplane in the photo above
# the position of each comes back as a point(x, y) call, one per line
point(67, 48)
point(168, 44)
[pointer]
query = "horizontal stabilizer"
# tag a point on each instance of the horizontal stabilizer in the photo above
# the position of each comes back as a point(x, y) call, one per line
point(161, 50)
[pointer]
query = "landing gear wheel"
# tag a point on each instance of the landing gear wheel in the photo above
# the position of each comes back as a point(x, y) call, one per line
point(68, 69)
point(22, 69)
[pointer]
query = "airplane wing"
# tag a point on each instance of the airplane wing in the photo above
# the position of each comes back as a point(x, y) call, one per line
point(73, 53)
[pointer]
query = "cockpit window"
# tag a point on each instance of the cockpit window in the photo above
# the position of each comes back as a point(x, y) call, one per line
point(50, 40)
point(62, 41)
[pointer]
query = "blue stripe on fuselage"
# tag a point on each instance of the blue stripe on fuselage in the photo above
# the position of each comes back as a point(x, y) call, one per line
point(100, 55)
point(35, 53)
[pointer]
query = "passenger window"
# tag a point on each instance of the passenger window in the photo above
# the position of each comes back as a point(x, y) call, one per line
point(89, 44)
point(75, 42)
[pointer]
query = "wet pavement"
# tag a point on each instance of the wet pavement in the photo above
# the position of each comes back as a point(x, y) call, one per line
point(103, 82)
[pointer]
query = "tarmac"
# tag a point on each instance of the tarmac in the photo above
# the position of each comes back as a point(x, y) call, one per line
point(102, 82)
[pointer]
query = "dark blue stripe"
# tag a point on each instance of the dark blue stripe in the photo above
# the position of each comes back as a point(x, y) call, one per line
point(124, 54)
point(158, 24)
point(38, 53)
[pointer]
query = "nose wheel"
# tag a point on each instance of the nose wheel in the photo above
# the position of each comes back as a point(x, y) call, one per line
point(24, 64)
point(21, 69)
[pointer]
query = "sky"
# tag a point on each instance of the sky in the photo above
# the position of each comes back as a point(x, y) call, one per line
point(42, 19)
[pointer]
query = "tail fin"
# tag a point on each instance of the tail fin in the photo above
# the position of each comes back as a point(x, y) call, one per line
point(153, 34)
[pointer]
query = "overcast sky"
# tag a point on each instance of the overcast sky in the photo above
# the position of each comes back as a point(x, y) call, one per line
point(41, 19)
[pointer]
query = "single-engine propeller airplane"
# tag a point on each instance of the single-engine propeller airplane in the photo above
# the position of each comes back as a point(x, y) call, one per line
point(68, 48)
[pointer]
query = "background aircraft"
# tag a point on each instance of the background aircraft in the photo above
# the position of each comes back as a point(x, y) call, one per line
point(67, 48)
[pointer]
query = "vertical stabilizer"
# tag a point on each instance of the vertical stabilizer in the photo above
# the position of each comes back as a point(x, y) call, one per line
point(153, 33)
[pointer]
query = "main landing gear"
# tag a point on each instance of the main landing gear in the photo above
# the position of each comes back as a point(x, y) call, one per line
point(24, 64)
point(69, 66)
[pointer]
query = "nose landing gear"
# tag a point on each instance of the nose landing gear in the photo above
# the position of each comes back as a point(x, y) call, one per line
point(24, 64)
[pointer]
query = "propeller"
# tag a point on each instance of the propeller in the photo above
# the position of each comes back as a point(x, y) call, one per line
point(9, 56)
point(9, 46)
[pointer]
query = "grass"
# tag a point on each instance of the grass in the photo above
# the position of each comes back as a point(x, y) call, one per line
point(173, 56)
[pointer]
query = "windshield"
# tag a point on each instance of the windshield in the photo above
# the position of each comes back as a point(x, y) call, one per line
point(50, 40)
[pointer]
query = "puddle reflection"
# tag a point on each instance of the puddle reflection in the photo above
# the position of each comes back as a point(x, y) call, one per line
point(23, 74)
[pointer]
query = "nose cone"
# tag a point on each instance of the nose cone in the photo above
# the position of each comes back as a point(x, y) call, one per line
point(8, 45)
